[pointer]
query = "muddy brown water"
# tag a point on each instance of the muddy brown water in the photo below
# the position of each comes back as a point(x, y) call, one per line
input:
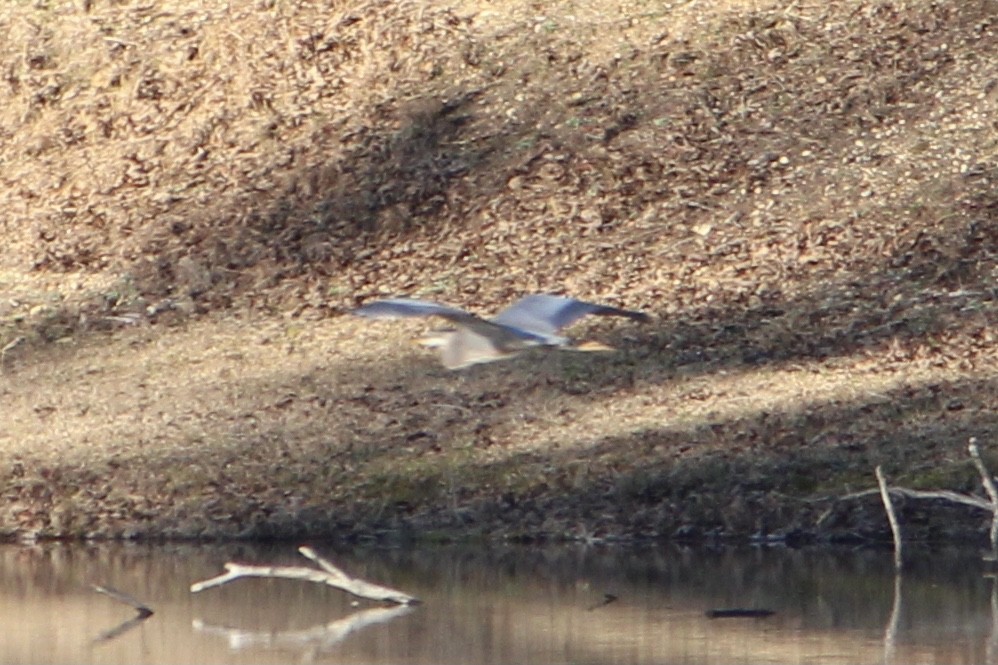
point(498, 605)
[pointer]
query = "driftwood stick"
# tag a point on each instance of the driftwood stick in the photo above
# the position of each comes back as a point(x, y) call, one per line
point(330, 575)
point(357, 586)
point(989, 486)
point(885, 496)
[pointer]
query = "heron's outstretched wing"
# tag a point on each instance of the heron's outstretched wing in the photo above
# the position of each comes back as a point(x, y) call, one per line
point(547, 314)
point(393, 308)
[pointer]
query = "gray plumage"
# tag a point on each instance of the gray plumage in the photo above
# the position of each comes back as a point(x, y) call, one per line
point(531, 321)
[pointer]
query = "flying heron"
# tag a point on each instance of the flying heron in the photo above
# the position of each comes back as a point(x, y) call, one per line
point(531, 321)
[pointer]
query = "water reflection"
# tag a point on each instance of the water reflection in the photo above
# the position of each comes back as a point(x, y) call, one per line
point(506, 605)
point(312, 640)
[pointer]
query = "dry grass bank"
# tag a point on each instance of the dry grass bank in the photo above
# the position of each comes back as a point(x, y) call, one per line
point(804, 196)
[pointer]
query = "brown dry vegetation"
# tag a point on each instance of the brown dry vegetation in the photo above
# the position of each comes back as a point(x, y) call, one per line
point(805, 195)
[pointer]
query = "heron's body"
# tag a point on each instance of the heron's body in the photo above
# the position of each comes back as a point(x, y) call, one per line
point(531, 321)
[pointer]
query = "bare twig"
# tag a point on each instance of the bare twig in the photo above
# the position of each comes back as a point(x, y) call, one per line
point(885, 496)
point(329, 575)
point(9, 347)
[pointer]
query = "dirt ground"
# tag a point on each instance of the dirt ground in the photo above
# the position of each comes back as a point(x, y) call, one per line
point(803, 195)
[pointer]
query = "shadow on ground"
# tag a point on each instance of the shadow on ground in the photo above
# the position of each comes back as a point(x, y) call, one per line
point(780, 471)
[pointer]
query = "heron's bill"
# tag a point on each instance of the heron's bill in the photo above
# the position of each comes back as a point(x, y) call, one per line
point(590, 346)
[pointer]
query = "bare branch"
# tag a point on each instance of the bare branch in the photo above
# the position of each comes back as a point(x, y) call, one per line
point(942, 495)
point(330, 575)
point(325, 564)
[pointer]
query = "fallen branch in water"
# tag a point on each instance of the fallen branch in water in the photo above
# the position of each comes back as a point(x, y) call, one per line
point(329, 575)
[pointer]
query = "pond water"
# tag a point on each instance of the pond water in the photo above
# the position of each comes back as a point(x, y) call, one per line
point(498, 605)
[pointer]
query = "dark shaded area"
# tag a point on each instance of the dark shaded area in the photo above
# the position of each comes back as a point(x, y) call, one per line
point(776, 472)
point(392, 183)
